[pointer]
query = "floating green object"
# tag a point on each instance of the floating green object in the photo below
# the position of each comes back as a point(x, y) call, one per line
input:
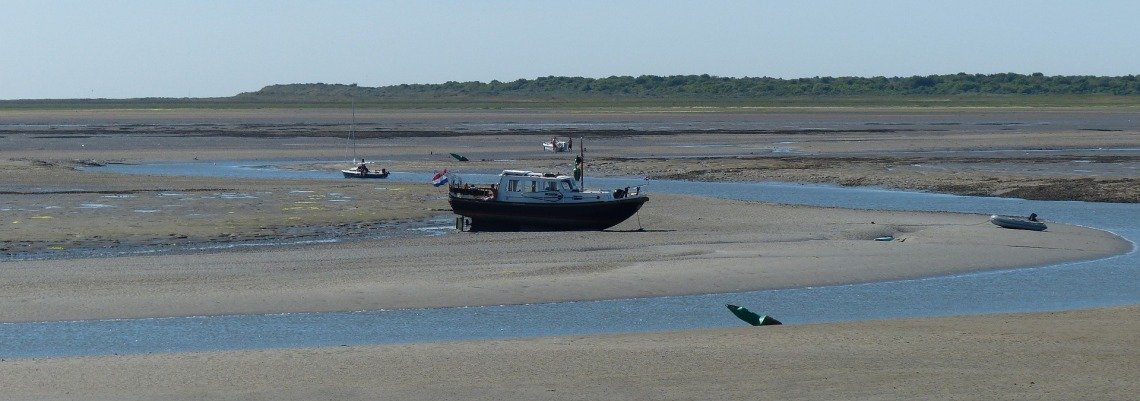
point(458, 157)
point(751, 317)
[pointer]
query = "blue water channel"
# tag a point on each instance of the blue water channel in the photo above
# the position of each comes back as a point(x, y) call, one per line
point(1106, 282)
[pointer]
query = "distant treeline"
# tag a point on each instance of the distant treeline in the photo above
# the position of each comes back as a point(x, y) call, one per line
point(712, 87)
point(953, 90)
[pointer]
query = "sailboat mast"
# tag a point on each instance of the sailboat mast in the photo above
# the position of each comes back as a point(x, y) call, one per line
point(353, 131)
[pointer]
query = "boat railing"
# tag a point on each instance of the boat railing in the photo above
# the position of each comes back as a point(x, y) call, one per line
point(627, 192)
point(473, 191)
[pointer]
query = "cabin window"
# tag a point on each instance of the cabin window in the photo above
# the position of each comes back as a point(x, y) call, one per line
point(513, 185)
point(569, 186)
point(551, 186)
point(533, 186)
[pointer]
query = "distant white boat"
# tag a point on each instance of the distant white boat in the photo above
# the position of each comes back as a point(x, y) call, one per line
point(357, 173)
point(555, 145)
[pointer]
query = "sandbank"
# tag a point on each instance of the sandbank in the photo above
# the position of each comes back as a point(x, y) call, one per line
point(1085, 354)
point(676, 245)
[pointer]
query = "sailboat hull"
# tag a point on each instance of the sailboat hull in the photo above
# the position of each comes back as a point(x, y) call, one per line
point(357, 174)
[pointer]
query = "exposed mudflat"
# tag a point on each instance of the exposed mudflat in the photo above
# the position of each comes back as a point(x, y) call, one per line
point(50, 206)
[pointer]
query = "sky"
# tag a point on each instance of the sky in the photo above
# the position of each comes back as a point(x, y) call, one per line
point(55, 49)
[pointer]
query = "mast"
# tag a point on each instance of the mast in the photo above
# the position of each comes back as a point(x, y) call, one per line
point(581, 164)
point(353, 132)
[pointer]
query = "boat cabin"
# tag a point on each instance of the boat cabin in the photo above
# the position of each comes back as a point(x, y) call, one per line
point(521, 186)
point(526, 186)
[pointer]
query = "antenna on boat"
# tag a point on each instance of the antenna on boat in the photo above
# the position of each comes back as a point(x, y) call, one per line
point(353, 130)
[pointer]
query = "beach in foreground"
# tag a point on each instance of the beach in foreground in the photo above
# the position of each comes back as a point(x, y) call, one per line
point(677, 245)
point(1088, 354)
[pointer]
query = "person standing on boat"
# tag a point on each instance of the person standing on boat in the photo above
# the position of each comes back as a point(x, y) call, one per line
point(363, 167)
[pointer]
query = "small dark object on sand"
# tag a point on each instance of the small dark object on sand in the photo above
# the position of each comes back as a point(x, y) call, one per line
point(751, 317)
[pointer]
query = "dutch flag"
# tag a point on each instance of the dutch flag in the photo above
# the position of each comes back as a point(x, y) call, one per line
point(439, 178)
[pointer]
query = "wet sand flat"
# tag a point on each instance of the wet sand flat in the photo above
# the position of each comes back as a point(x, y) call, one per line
point(689, 245)
point(1036, 153)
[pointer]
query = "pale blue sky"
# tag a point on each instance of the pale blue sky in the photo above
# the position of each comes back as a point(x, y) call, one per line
point(171, 48)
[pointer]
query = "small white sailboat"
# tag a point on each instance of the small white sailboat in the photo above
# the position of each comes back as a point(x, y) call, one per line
point(361, 170)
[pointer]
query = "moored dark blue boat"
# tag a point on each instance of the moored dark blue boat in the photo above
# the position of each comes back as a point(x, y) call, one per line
point(523, 200)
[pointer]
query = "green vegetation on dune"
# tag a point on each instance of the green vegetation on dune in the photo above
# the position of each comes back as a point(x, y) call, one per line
point(952, 90)
point(720, 88)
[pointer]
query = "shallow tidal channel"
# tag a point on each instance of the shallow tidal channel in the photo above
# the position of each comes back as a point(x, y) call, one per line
point(1106, 282)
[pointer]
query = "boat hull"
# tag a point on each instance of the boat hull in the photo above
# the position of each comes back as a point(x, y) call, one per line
point(1017, 223)
point(493, 215)
point(357, 174)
